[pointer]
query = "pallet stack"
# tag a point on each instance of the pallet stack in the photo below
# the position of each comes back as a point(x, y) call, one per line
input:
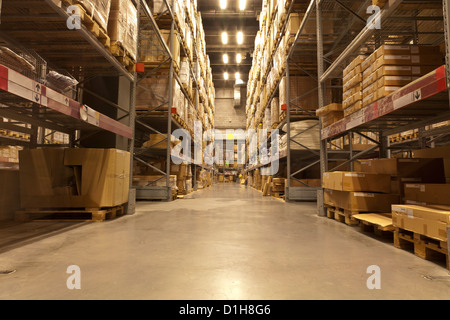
point(351, 193)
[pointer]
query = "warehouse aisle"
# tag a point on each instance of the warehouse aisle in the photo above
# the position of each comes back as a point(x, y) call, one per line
point(225, 242)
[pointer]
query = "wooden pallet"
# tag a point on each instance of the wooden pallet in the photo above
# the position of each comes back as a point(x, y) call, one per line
point(92, 25)
point(342, 215)
point(422, 246)
point(377, 223)
point(76, 215)
point(122, 55)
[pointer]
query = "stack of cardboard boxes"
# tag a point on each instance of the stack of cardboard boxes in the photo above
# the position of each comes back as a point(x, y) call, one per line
point(358, 192)
point(391, 67)
point(330, 114)
point(352, 86)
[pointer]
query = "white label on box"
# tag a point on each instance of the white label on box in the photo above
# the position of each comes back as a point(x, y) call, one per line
point(413, 186)
point(397, 78)
point(415, 50)
point(398, 209)
point(415, 59)
point(355, 175)
point(389, 57)
point(366, 163)
point(410, 213)
point(364, 195)
point(397, 68)
point(396, 47)
point(422, 188)
point(416, 203)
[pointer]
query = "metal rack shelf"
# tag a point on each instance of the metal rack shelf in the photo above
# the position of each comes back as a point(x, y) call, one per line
point(41, 25)
point(423, 102)
point(39, 29)
point(158, 121)
point(22, 95)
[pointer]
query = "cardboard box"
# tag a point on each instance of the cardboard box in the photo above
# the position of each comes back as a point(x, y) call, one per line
point(439, 152)
point(10, 195)
point(74, 178)
point(353, 108)
point(407, 50)
point(391, 81)
point(417, 71)
point(427, 194)
point(431, 169)
point(331, 118)
point(305, 183)
point(385, 91)
point(369, 79)
point(361, 201)
point(369, 90)
point(123, 25)
point(427, 221)
point(357, 181)
point(408, 60)
point(335, 107)
point(368, 62)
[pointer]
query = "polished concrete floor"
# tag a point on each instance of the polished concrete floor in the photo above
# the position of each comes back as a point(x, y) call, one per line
point(225, 242)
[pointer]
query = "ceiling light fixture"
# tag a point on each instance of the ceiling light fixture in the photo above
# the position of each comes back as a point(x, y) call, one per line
point(223, 4)
point(225, 58)
point(224, 38)
point(238, 58)
point(242, 4)
point(240, 37)
point(226, 76)
point(237, 76)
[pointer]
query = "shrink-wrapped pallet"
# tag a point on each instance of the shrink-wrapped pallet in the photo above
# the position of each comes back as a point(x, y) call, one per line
point(123, 26)
point(98, 10)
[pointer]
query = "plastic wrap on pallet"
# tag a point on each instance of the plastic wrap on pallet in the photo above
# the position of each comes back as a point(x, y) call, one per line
point(123, 25)
point(153, 93)
point(59, 81)
point(98, 10)
point(305, 133)
point(16, 61)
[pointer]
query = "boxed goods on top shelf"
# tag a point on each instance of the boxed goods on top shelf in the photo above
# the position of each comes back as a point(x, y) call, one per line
point(123, 26)
point(98, 10)
point(370, 78)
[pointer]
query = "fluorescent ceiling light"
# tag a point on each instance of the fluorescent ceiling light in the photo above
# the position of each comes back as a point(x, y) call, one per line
point(240, 37)
point(237, 76)
point(225, 58)
point(223, 4)
point(224, 38)
point(226, 76)
point(242, 4)
point(238, 58)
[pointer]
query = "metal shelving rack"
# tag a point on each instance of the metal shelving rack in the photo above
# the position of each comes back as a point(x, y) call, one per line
point(421, 103)
point(300, 48)
point(149, 122)
point(39, 28)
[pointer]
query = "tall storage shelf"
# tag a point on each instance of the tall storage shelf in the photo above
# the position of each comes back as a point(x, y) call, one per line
point(174, 91)
point(412, 116)
point(51, 95)
point(283, 65)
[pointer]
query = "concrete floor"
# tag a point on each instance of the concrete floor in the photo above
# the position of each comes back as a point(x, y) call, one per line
point(225, 242)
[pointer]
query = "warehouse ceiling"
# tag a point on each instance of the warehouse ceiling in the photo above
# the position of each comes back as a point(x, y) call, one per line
point(231, 20)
